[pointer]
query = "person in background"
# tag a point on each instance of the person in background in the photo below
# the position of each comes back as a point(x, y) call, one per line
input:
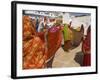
point(43, 24)
point(40, 26)
point(33, 21)
point(86, 48)
point(51, 22)
point(67, 34)
point(37, 24)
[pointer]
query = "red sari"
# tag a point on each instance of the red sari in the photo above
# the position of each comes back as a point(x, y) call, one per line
point(86, 48)
point(35, 52)
point(54, 40)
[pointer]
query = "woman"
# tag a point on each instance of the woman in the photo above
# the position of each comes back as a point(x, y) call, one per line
point(68, 36)
point(34, 53)
point(86, 48)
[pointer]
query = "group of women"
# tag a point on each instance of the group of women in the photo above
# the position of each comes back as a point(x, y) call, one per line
point(39, 47)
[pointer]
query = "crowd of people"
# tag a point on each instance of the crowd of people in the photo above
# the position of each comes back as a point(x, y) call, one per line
point(43, 36)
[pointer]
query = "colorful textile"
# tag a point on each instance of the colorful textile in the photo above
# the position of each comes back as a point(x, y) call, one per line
point(87, 60)
point(67, 33)
point(86, 48)
point(54, 40)
point(34, 52)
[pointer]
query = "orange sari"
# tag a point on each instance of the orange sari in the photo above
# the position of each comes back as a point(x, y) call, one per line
point(34, 53)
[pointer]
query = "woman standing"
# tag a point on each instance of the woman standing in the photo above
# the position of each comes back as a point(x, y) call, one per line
point(86, 48)
point(67, 33)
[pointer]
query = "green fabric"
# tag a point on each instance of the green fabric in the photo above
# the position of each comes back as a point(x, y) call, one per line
point(66, 32)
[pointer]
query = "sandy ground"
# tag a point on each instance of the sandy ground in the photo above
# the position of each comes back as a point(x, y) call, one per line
point(66, 59)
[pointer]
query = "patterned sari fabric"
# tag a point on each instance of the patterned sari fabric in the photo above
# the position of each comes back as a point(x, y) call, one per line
point(34, 53)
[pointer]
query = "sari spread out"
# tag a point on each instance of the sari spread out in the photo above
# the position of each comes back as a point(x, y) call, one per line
point(72, 37)
point(36, 51)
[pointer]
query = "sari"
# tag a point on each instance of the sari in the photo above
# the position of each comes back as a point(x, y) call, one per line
point(34, 53)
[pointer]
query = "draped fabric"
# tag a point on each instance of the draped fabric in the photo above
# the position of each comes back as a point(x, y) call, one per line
point(72, 37)
point(38, 48)
point(54, 40)
point(67, 33)
point(87, 60)
point(68, 37)
point(34, 53)
point(86, 48)
point(41, 35)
